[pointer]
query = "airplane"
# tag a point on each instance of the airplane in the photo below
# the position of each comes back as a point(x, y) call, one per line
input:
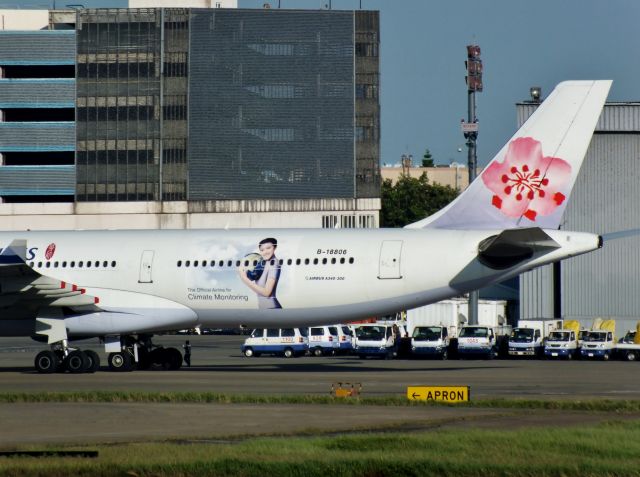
point(124, 286)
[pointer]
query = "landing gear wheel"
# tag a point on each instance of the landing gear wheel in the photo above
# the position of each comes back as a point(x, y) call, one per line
point(317, 351)
point(173, 359)
point(94, 361)
point(46, 362)
point(76, 362)
point(248, 352)
point(121, 361)
point(144, 359)
point(288, 353)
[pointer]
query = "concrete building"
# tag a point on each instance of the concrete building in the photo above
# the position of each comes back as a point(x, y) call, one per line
point(604, 283)
point(222, 112)
point(455, 175)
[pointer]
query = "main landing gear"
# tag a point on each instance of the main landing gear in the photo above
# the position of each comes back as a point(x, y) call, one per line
point(130, 353)
point(61, 358)
point(138, 352)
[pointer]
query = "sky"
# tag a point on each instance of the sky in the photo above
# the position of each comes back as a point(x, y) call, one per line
point(423, 93)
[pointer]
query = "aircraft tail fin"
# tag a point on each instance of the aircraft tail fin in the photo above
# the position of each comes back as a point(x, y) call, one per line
point(528, 183)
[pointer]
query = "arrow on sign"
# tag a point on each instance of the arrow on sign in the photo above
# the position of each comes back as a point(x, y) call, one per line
point(415, 396)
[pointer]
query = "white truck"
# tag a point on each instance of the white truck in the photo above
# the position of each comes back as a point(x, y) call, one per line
point(478, 340)
point(564, 342)
point(378, 340)
point(599, 341)
point(432, 341)
point(597, 344)
point(527, 339)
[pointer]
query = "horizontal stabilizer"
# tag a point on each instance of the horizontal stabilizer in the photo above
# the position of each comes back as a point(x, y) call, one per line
point(513, 246)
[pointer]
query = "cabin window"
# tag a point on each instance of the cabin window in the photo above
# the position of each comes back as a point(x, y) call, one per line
point(351, 260)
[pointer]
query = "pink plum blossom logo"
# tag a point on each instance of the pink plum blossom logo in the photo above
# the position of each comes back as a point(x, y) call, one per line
point(525, 182)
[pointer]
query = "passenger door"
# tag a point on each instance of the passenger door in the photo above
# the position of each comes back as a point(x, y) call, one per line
point(146, 264)
point(389, 266)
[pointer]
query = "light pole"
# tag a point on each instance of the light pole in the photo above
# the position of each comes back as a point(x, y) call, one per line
point(470, 131)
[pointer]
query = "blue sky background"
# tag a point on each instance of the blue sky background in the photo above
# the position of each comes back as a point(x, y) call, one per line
point(524, 43)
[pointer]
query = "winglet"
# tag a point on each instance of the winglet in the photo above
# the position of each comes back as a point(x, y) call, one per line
point(528, 183)
point(14, 254)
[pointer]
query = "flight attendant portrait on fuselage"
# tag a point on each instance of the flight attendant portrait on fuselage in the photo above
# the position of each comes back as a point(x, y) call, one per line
point(265, 283)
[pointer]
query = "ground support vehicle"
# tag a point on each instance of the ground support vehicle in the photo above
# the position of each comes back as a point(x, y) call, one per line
point(527, 339)
point(477, 340)
point(323, 340)
point(345, 338)
point(453, 313)
point(287, 342)
point(561, 344)
point(430, 341)
point(377, 340)
point(597, 344)
point(628, 351)
point(629, 346)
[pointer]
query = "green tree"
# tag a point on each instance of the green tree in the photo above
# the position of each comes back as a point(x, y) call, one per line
point(411, 199)
point(427, 159)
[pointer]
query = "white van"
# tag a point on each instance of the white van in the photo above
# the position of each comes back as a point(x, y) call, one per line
point(287, 342)
point(345, 338)
point(323, 340)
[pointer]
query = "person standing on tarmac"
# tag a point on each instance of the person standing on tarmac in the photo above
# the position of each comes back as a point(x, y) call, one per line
point(187, 353)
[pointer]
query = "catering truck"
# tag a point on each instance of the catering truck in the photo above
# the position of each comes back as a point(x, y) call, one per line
point(564, 342)
point(599, 341)
point(527, 339)
point(452, 314)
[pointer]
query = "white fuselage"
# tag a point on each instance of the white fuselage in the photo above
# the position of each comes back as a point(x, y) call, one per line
point(172, 279)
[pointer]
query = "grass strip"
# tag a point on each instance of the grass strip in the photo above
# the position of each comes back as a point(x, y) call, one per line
point(604, 405)
point(611, 449)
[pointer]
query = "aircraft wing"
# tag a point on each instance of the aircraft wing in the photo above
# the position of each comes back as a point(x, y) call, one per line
point(21, 284)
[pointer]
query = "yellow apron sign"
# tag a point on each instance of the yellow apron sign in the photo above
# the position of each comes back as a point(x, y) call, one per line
point(439, 393)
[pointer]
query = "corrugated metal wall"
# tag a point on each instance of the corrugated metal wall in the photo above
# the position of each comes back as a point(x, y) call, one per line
point(37, 136)
point(37, 180)
point(271, 107)
point(605, 199)
point(37, 93)
point(43, 47)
